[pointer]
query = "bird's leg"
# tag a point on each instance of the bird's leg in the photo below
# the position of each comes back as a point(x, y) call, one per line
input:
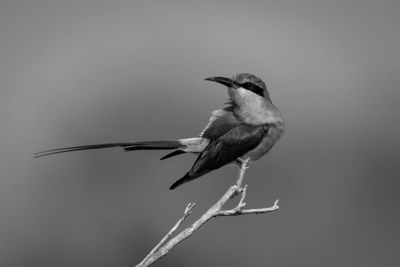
point(240, 161)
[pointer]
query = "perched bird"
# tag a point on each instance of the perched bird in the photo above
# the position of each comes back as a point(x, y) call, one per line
point(247, 127)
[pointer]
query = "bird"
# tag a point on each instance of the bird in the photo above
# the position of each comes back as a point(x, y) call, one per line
point(246, 128)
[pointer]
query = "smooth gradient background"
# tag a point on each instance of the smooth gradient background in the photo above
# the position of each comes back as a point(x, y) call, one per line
point(84, 72)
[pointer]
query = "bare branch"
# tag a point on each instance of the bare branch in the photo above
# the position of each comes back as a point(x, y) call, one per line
point(164, 246)
point(236, 211)
point(244, 164)
point(241, 203)
point(188, 211)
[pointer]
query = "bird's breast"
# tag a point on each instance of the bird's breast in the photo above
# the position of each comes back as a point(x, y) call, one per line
point(273, 134)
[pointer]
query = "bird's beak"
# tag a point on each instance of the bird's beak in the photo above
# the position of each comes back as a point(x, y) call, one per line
point(222, 80)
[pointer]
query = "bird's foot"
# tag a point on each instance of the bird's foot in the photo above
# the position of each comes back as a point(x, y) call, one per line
point(244, 163)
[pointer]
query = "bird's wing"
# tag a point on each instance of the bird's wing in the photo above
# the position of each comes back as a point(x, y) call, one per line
point(231, 145)
point(221, 120)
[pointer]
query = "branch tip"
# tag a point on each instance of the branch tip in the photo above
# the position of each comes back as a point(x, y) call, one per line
point(189, 207)
point(276, 204)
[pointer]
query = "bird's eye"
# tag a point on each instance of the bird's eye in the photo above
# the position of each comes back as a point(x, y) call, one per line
point(254, 88)
point(247, 85)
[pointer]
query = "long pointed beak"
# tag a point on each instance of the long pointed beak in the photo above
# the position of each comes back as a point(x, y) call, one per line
point(223, 80)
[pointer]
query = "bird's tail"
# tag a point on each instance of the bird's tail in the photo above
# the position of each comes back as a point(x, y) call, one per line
point(127, 146)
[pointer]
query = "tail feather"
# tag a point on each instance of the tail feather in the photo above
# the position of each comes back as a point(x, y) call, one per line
point(153, 145)
point(128, 146)
point(173, 154)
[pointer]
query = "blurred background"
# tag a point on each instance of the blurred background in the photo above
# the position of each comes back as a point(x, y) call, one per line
point(85, 72)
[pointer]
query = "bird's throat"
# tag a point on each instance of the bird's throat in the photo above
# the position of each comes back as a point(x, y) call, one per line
point(254, 109)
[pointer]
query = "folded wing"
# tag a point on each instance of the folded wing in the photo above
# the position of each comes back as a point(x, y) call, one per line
point(237, 139)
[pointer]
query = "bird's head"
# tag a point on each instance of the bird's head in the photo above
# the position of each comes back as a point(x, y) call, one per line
point(250, 99)
point(246, 81)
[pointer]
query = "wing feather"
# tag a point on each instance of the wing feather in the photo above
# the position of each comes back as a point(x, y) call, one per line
point(228, 147)
point(223, 118)
point(224, 149)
